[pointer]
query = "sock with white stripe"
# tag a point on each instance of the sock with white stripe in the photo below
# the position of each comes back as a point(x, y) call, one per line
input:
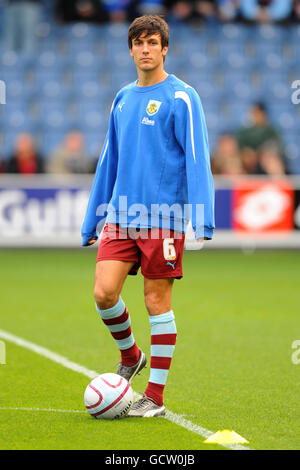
point(117, 320)
point(163, 339)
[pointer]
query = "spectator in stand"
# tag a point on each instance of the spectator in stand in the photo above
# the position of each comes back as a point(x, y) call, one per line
point(228, 10)
point(205, 10)
point(227, 160)
point(179, 11)
point(25, 160)
point(89, 11)
point(260, 144)
point(266, 11)
point(296, 11)
point(20, 22)
point(188, 10)
point(150, 7)
point(1, 166)
point(71, 156)
point(270, 162)
point(117, 10)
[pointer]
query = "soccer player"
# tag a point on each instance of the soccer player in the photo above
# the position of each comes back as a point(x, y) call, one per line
point(155, 163)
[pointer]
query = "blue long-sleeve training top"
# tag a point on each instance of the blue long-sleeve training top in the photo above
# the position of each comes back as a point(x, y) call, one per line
point(154, 167)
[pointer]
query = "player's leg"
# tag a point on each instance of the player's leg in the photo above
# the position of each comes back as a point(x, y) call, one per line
point(117, 257)
point(110, 276)
point(163, 335)
point(163, 338)
point(159, 276)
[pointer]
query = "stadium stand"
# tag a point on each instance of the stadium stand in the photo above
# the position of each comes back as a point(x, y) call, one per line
point(71, 81)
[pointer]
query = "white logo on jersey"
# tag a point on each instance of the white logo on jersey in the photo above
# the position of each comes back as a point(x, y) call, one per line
point(148, 121)
point(121, 106)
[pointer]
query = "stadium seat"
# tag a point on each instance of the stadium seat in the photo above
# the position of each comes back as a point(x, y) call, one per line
point(73, 79)
point(8, 138)
point(56, 116)
point(54, 90)
point(90, 90)
point(50, 140)
point(17, 91)
point(92, 115)
point(94, 142)
point(121, 78)
point(233, 32)
point(202, 84)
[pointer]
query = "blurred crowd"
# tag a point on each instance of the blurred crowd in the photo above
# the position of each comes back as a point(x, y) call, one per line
point(71, 157)
point(22, 16)
point(254, 149)
point(180, 10)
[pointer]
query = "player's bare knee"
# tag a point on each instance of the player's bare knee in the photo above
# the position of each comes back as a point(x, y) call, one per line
point(153, 302)
point(105, 298)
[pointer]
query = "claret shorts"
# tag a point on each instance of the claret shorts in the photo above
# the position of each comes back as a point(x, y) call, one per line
point(157, 251)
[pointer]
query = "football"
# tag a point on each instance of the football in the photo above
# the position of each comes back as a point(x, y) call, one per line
point(108, 396)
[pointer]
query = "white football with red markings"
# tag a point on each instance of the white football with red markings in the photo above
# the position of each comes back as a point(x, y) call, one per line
point(108, 396)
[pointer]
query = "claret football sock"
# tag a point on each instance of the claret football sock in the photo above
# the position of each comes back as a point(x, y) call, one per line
point(117, 320)
point(163, 339)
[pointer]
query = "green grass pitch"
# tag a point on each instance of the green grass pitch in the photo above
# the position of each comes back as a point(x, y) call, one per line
point(237, 316)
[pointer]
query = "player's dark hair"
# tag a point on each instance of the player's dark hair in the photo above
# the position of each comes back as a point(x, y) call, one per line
point(150, 24)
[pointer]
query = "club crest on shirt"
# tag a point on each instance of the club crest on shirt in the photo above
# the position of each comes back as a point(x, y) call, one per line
point(153, 107)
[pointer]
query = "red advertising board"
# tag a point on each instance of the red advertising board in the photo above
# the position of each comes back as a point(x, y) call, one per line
point(263, 206)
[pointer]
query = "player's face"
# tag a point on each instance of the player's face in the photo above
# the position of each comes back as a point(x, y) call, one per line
point(147, 52)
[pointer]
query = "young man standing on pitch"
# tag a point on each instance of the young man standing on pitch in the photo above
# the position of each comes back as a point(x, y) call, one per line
point(155, 163)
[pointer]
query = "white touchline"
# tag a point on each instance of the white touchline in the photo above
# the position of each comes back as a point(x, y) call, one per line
point(21, 408)
point(63, 361)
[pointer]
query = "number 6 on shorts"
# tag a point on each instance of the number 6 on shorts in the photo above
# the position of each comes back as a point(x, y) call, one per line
point(169, 249)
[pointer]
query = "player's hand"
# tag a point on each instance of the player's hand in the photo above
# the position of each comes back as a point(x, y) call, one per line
point(92, 241)
point(201, 239)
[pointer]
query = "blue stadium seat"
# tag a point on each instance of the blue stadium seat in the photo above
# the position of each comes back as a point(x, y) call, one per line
point(116, 31)
point(233, 32)
point(57, 116)
point(55, 91)
point(268, 33)
point(235, 60)
point(48, 61)
point(14, 114)
point(120, 61)
point(234, 114)
point(18, 92)
point(174, 63)
point(270, 61)
point(8, 142)
point(202, 84)
point(284, 117)
point(279, 92)
point(94, 142)
point(122, 78)
point(51, 140)
point(80, 31)
point(90, 90)
point(292, 149)
point(13, 61)
point(92, 116)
